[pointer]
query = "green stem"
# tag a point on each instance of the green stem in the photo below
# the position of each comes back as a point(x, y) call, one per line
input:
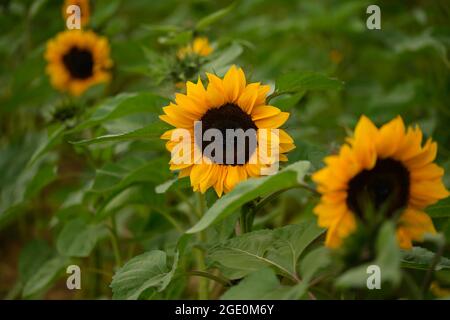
point(203, 283)
point(247, 216)
point(430, 271)
point(220, 279)
point(115, 242)
point(201, 205)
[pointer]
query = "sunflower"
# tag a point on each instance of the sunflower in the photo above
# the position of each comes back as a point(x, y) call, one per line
point(200, 47)
point(388, 168)
point(77, 60)
point(84, 10)
point(228, 103)
point(438, 291)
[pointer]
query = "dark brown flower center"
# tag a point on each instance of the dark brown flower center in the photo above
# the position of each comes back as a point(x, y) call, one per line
point(79, 62)
point(230, 116)
point(385, 188)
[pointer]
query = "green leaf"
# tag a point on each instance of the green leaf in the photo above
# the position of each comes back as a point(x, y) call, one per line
point(148, 270)
point(310, 265)
point(122, 105)
point(20, 182)
point(44, 276)
point(53, 139)
point(45, 175)
point(179, 38)
point(251, 189)
point(104, 10)
point(212, 18)
point(388, 254)
point(421, 258)
point(279, 249)
point(303, 81)
point(287, 102)
point(114, 178)
point(151, 132)
point(440, 209)
point(387, 259)
point(223, 59)
point(129, 171)
point(163, 187)
point(35, 7)
point(313, 262)
point(33, 255)
point(260, 285)
point(78, 238)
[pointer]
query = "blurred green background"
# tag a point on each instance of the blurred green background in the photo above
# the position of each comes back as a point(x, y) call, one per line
point(402, 69)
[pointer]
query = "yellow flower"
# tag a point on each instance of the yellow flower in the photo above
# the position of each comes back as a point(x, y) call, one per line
point(388, 167)
point(439, 291)
point(77, 60)
point(228, 103)
point(84, 10)
point(200, 46)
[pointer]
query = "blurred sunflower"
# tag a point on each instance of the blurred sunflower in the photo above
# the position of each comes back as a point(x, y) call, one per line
point(200, 47)
point(84, 10)
point(438, 291)
point(77, 60)
point(228, 103)
point(387, 168)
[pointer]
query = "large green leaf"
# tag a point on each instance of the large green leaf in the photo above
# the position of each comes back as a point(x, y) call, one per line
point(152, 131)
point(310, 265)
point(304, 81)
point(421, 258)
point(279, 249)
point(20, 182)
point(259, 285)
point(122, 105)
point(148, 270)
point(251, 189)
point(44, 276)
point(313, 262)
point(78, 238)
point(132, 170)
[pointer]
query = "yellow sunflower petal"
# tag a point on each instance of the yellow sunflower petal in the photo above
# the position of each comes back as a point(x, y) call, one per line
point(273, 122)
point(233, 84)
point(263, 91)
point(390, 137)
point(415, 224)
point(248, 97)
point(261, 112)
point(363, 145)
point(215, 92)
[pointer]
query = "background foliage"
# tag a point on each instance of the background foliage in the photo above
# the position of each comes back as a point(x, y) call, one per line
point(85, 181)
